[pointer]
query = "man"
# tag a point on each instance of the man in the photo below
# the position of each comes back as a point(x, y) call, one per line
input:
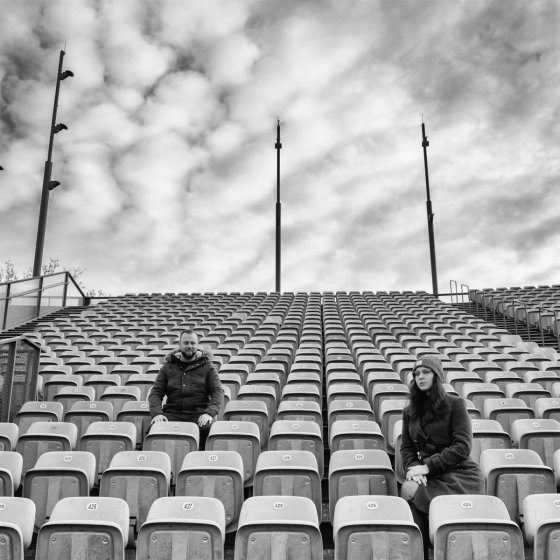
point(191, 384)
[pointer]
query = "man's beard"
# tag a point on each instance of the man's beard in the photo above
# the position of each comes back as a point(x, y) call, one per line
point(188, 355)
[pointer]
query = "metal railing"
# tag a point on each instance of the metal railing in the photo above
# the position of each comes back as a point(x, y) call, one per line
point(27, 299)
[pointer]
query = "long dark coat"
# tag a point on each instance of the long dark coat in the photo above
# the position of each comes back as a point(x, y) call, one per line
point(444, 445)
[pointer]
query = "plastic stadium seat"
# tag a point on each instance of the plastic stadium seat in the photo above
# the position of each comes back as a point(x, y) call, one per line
point(479, 392)
point(542, 525)
point(266, 378)
point(118, 395)
point(85, 527)
point(231, 380)
point(540, 435)
point(473, 526)
point(502, 378)
point(376, 377)
point(544, 378)
point(177, 439)
point(16, 527)
point(137, 413)
point(249, 411)
point(105, 439)
point(361, 472)
point(512, 474)
point(57, 475)
point(242, 437)
point(214, 474)
point(11, 465)
point(349, 410)
point(34, 411)
point(300, 410)
point(139, 478)
point(293, 473)
point(288, 436)
point(100, 382)
point(83, 413)
point(488, 434)
point(278, 527)
point(262, 393)
point(144, 381)
point(126, 371)
point(192, 527)
point(548, 408)
point(354, 434)
point(8, 436)
point(385, 391)
point(301, 392)
point(56, 382)
point(375, 527)
point(390, 412)
point(46, 436)
point(505, 411)
point(528, 392)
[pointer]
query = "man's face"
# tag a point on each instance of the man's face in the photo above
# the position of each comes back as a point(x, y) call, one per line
point(188, 345)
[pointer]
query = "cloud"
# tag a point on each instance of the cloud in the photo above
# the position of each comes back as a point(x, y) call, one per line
point(168, 168)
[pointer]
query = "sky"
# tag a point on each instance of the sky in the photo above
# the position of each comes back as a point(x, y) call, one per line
point(168, 166)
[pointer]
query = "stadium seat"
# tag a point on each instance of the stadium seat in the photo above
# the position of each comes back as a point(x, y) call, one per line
point(192, 527)
point(137, 413)
point(67, 396)
point(144, 381)
point(83, 413)
point(339, 390)
point(8, 436)
point(540, 435)
point(477, 527)
point(488, 434)
point(231, 380)
point(242, 437)
point(46, 436)
point(215, 474)
point(528, 392)
point(541, 514)
point(11, 465)
point(300, 410)
point(386, 391)
point(548, 408)
point(512, 474)
point(85, 527)
point(301, 392)
point(105, 439)
point(34, 411)
point(292, 473)
point(263, 393)
point(16, 527)
point(56, 382)
point(390, 412)
point(375, 527)
point(502, 378)
point(349, 410)
point(290, 436)
point(100, 382)
point(139, 478)
point(354, 434)
point(118, 395)
point(278, 527)
point(479, 392)
point(57, 475)
point(506, 411)
point(362, 472)
point(177, 439)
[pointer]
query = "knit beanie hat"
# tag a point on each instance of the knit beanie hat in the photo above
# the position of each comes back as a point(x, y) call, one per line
point(433, 362)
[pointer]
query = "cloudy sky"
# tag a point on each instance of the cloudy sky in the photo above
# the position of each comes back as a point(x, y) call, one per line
point(168, 167)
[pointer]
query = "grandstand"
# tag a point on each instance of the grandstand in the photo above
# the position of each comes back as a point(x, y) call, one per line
point(303, 461)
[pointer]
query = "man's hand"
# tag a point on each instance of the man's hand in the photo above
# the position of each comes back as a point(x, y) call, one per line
point(204, 419)
point(159, 418)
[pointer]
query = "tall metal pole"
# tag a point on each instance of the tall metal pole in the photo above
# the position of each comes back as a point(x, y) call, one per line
point(46, 181)
point(278, 147)
point(425, 144)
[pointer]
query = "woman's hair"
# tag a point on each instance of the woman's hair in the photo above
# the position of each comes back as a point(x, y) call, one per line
point(430, 404)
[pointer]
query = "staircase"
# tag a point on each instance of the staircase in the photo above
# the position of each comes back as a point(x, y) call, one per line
point(31, 325)
point(521, 328)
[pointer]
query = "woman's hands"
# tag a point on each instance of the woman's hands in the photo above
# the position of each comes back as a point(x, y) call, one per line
point(419, 474)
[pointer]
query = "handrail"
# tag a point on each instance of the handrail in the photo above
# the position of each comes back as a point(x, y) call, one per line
point(451, 284)
point(467, 292)
point(38, 291)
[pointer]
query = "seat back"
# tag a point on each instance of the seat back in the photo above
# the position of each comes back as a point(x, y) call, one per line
point(16, 526)
point(542, 525)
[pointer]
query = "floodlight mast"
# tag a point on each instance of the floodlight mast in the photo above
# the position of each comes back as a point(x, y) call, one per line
point(49, 185)
point(430, 214)
point(278, 147)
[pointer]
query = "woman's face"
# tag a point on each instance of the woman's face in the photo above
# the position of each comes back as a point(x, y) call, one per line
point(424, 378)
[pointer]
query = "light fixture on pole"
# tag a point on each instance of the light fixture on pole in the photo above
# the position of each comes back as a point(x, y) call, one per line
point(48, 184)
point(278, 147)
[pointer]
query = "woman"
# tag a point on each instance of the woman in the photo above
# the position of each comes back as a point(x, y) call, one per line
point(436, 443)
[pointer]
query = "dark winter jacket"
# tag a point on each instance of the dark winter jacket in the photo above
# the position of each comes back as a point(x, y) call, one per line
point(442, 443)
point(191, 387)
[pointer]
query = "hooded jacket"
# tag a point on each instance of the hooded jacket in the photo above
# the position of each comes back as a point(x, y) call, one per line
point(191, 387)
